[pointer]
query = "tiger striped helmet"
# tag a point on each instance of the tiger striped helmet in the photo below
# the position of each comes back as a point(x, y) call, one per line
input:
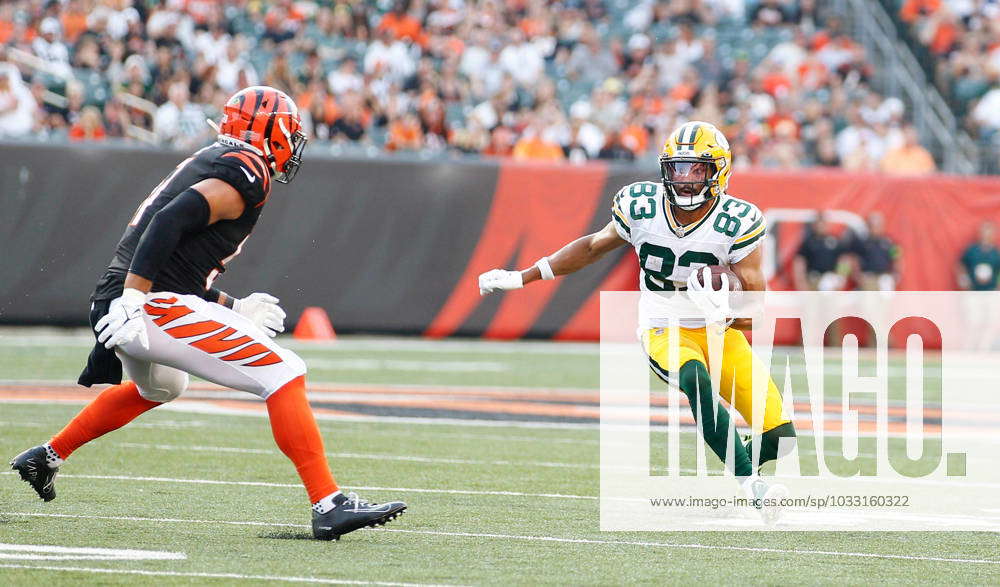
point(267, 120)
point(695, 164)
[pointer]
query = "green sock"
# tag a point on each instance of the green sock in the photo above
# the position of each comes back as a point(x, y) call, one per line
point(769, 442)
point(697, 386)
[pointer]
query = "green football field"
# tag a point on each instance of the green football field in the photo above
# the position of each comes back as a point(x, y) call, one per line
point(492, 445)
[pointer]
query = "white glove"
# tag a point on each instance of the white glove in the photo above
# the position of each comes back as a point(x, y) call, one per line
point(263, 310)
point(713, 303)
point(499, 280)
point(124, 321)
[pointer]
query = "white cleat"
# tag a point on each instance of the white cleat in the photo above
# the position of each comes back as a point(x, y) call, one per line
point(765, 497)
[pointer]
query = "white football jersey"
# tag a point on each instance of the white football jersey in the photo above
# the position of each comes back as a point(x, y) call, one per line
point(668, 252)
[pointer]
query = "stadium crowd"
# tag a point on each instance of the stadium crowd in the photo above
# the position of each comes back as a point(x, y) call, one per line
point(963, 38)
point(532, 79)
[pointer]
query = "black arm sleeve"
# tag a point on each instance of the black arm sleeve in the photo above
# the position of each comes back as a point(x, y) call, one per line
point(214, 295)
point(186, 213)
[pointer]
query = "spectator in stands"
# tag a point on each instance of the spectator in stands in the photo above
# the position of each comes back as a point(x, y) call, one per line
point(88, 127)
point(859, 147)
point(640, 70)
point(591, 61)
point(987, 111)
point(433, 124)
point(405, 134)
point(875, 256)
point(817, 265)
point(534, 146)
point(345, 78)
point(768, 13)
point(232, 71)
point(978, 271)
point(17, 105)
point(979, 267)
point(402, 26)
point(351, 125)
point(389, 57)
point(522, 59)
point(50, 48)
point(178, 122)
point(909, 158)
point(614, 149)
point(321, 109)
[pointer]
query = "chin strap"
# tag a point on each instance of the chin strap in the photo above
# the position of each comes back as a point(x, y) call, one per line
point(704, 198)
point(234, 142)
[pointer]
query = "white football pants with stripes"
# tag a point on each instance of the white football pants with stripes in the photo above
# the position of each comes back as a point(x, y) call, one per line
point(189, 335)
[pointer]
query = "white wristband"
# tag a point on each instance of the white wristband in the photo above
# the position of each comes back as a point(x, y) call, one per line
point(545, 268)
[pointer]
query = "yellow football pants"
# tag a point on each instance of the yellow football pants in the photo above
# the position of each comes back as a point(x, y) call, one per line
point(738, 364)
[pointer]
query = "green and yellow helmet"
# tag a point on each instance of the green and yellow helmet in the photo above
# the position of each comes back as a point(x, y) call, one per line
point(695, 164)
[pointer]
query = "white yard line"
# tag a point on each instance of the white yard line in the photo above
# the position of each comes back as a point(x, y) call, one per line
point(555, 539)
point(299, 486)
point(410, 366)
point(366, 457)
point(404, 458)
point(146, 573)
point(83, 338)
point(24, 552)
point(321, 387)
point(169, 424)
point(192, 407)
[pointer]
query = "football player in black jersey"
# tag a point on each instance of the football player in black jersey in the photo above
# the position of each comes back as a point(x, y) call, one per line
point(156, 313)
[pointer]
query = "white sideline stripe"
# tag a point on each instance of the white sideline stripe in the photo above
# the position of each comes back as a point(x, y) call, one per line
point(367, 457)
point(202, 408)
point(459, 346)
point(404, 458)
point(195, 407)
point(52, 552)
point(202, 575)
point(84, 338)
point(299, 486)
point(133, 424)
point(693, 546)
point(335, 387)
point(407, 365)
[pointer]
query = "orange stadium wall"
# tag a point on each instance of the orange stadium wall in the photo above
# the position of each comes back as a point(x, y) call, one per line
point(395, 245)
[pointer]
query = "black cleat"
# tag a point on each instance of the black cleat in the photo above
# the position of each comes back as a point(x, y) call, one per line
point(351, 514)
point(35, 471)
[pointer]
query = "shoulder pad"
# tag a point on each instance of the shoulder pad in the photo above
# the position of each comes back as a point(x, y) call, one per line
point(753, 226)
point(631, 205)
point(247, 172)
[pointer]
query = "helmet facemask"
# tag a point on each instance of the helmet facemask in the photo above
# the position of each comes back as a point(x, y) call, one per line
point(689, 181)
point(297, 141)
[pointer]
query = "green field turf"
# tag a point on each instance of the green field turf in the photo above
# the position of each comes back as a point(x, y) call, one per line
point(496, 504)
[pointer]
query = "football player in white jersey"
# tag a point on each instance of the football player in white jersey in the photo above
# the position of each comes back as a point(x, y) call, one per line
point(678, 228)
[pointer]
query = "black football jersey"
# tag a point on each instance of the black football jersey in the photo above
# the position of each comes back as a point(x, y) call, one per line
point(200, 256)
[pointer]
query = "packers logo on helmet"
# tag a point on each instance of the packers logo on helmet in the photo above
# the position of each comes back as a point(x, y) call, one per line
point(695, 164)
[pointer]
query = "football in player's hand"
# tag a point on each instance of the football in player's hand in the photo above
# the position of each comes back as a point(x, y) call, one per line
point(717, 270)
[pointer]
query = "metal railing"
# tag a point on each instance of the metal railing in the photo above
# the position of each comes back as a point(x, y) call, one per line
point(901, 76)
point(35, 63)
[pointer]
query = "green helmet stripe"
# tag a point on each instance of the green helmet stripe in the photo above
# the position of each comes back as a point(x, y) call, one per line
point(694, 135)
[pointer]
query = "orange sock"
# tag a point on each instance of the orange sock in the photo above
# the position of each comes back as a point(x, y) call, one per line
point(297, 435)
point(115, 407)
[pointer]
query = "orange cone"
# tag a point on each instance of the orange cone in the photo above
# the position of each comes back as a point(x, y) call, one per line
point(314, 324)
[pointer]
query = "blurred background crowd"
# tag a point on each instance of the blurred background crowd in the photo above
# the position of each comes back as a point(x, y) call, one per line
point(959, 41)
point(531, 79)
